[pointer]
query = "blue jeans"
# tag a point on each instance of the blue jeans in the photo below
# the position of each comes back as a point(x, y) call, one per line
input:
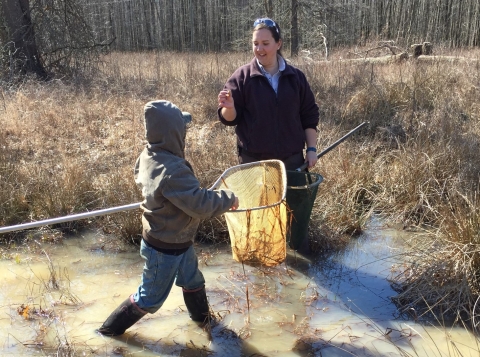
point(161, 271)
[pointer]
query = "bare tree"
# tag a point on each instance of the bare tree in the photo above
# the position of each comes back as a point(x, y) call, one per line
point(49, 37)
point(294, 29)
point(269, 8)
point(22, 49)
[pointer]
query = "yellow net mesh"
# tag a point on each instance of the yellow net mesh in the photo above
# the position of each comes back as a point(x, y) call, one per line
point(258, 227)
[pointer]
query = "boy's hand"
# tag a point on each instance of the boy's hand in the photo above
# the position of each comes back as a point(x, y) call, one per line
point(235, 204)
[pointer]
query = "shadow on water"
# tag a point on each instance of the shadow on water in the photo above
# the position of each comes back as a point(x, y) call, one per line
point(325, 305)
point(353, 298)
point(232, 345)
point(356, 281)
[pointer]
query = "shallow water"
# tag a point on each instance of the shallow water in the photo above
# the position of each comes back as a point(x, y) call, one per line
point(333, 305)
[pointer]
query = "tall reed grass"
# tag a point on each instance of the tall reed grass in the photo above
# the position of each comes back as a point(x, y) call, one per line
point(68, 146)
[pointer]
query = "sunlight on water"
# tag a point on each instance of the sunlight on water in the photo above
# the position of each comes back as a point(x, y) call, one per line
point(53, 299)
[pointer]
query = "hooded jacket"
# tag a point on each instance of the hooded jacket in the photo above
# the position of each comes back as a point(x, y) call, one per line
point(269, 123)
point(174, 203)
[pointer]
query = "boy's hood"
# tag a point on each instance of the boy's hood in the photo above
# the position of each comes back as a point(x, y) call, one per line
point(165, 126)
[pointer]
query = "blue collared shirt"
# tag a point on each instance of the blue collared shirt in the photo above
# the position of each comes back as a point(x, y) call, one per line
point(273, 79)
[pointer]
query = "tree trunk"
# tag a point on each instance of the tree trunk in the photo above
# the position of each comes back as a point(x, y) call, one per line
point(23, 49)
point(294, 29)
point(269, 8)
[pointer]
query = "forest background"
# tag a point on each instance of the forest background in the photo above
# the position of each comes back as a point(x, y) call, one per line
point(58, 34)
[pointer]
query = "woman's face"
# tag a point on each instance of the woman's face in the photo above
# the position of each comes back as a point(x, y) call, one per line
point(264, 47)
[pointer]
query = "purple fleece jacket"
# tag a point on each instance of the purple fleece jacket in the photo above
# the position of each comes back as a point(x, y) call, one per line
point(268, 123)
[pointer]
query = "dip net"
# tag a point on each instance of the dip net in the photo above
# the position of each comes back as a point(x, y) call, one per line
point(258, 227)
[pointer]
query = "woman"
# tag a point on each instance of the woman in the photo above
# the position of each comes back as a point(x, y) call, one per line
point(271, 104)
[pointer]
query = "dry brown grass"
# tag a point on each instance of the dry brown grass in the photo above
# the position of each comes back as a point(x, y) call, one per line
point(442, 278)
point(67, 147)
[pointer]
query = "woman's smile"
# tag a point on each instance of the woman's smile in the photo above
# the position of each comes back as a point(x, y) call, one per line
point(265, 48)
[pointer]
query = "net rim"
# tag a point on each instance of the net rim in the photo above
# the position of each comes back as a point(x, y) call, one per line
point(318, 181)
point(256, 163)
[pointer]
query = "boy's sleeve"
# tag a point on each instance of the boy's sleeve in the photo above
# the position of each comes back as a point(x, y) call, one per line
point(183, 190)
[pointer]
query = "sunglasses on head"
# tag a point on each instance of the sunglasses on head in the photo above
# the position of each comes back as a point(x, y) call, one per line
point(266, 21)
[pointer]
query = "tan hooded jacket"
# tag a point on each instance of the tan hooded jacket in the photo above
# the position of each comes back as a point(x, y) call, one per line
point(174, 203)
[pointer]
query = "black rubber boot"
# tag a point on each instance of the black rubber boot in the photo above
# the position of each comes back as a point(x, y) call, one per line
point(123, 317)
point(197, 304)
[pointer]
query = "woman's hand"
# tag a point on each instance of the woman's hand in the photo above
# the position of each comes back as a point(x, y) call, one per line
point(225, 99)
point(311, 158)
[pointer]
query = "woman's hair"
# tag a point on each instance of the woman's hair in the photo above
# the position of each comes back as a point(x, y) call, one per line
point(272, 26)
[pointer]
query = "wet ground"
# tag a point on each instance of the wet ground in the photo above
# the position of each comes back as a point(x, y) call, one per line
point(52, 300)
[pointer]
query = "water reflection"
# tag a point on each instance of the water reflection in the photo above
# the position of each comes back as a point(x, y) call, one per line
point(330, 305)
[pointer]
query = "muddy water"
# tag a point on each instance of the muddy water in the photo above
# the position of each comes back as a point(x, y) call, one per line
point(53, 298)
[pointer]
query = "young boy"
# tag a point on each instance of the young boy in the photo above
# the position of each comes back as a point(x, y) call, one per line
point(174, 203)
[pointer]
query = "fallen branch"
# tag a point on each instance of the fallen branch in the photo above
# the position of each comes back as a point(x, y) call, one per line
point(425, 58)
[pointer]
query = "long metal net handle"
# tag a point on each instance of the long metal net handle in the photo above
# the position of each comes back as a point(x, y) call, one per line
point(69, 218)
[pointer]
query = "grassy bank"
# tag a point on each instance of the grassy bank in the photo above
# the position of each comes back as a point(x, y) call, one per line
point(69, 146)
